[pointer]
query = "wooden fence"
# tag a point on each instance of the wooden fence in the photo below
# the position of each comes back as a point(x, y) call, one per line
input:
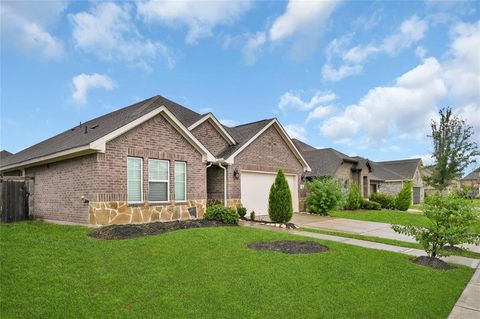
point(14, 201)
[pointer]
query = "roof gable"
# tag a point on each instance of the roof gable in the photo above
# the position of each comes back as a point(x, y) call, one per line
point(216, 124)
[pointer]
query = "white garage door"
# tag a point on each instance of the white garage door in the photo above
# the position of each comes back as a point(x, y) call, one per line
point(255, 188)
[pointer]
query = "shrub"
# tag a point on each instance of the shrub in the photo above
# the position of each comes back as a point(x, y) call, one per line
point(280, 209)
point(371, 205)
point(465, 192)
point(324, 195)
point(221, 213)
point(404, 197)
point(242, 211)
point(450, 218)
point(252, 215)
point(385, 200)
point(354, 198)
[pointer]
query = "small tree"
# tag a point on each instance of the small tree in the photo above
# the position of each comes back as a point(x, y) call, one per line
point(325, 195)
point(450, 218)
point(354, 198)
point(404, 197)
point(280, 209)
point(453, 150)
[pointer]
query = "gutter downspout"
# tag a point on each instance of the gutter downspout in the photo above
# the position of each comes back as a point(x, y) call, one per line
point(224, 184)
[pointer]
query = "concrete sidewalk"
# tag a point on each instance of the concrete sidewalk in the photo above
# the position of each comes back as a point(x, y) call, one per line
point(359, 227)
point(468, 305)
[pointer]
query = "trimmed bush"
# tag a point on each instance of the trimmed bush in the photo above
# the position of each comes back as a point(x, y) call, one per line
point(242, 211)
point(404, 197)
point(371, 205)
point(280, 209)
point(221, 213)
point(325, 195)
point(386, 201)
point(252, 215)
point(354, 198)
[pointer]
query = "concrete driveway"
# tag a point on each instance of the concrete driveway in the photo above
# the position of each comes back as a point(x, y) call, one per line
point(355, 227)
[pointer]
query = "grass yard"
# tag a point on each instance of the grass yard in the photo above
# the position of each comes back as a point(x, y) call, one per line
point(52, 271)
point(390, 217)
point(394, 242)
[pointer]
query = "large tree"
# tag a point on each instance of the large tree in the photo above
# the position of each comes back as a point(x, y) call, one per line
point(453, 148)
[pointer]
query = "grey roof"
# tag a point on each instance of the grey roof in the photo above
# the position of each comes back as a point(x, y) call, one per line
point(99, 127)
point(395, 170)
point(103, 125)
point(325, 161)
point(473, 175)
point(4, 154)
point(242, 134)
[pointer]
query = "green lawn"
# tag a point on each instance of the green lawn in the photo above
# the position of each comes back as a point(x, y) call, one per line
point(390, 217)
point(394, 242)
point(52, 271)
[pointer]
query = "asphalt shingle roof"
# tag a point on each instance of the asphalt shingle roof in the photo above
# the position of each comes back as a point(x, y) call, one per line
point(394, 170)
point(103, 125)
point(99, 127)
point(242, 134)
point(323, 162)
point(474, 175)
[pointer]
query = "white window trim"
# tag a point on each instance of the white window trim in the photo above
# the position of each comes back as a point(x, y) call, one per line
point(159, 181)
point(141, 181)
point(185, 184)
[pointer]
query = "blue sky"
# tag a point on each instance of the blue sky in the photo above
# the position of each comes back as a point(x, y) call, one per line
point(363, 77)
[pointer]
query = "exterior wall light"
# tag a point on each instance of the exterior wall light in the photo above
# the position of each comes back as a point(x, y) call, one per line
point(236, 174)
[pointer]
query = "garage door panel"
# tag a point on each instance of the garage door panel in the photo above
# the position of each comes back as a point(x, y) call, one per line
point(255, 189)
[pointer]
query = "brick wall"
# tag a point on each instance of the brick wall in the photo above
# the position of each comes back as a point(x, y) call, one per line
point(269, 152)
point(58, 188)
point(208, 135)
point(156, 139)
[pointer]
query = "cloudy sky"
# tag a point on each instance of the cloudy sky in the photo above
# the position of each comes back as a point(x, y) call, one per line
point(363, 77)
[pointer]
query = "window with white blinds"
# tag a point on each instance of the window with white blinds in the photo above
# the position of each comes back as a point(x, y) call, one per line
point(180, 181)
point(158, 180)
point(134, 179)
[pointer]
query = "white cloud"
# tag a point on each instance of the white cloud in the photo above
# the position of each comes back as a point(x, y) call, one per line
point(200, 17)
point(405, 107)
point(410, 31)
point(229, 123)
point(26, 23)
point(108, 31)
point(301, 17)
point(427, 159)
point(320, 112)
point(253, 47)
point(293, 100)
point(329, 73)
point(296, 131)
point(84, 82)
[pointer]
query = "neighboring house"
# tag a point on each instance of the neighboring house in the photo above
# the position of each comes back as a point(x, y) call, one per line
point(328, 162)
point(388, 177)
point(156, 160)
point(426, 171)
point(4, 154)
point(473, 180)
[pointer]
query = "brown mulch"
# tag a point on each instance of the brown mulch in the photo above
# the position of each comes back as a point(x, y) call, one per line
point(434, 263)
point(290, 246)
point(116, 232)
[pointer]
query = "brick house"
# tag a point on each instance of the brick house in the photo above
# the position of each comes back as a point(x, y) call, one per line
point(472, 180)
point(156, 160)
point(372, 177)
point(388, 177)
point(328, 162)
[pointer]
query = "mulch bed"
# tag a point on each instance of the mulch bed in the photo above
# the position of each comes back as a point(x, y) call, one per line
point(434, 263)
point(269, 223)
point(290, 246)
point(116, 232)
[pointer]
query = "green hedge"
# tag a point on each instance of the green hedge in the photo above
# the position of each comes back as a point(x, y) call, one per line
point(221, 213)
point(386, 201)
point(371, 205)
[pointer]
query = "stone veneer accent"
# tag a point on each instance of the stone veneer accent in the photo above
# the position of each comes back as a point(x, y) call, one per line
point(234, 203)
point(106, 213)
